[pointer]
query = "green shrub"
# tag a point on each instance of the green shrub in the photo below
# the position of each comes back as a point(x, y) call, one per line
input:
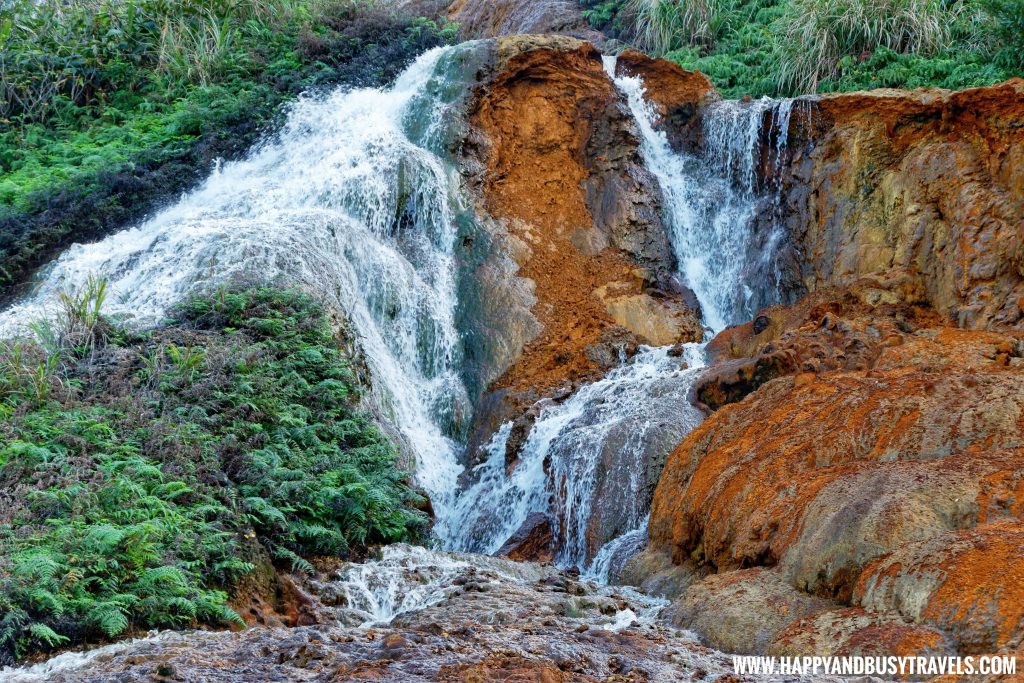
point(815, 35)
point(1007, 18)
point(110, 107)
point(665, 25)
point(145, 478)
point(790, 47)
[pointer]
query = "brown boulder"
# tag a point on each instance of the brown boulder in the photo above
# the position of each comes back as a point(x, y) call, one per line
point(924, 184)
point(533, 541)
point(742, 611)
point(675, 93)
point(968, 583)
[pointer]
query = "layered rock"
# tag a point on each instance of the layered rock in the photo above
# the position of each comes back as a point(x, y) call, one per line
point(926, 185)
point(573, 221)
point(879, 466)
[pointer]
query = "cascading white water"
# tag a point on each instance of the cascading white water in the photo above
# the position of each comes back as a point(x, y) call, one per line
point(403, 580)
point(356, 201)
point(711, 201)
point(593, 450)
point(353, 201)
point(600, 437)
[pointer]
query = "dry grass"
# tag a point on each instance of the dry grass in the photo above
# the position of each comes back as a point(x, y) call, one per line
point(816, 34)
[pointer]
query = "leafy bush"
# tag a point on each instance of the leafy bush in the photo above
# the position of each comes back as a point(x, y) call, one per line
point(1007, 18)
point(141, 481)
point(610, 16)
point(665, 25)
point(789, 47)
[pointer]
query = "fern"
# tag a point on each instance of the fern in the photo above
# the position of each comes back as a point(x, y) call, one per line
point(47, 635)
point(158, 491)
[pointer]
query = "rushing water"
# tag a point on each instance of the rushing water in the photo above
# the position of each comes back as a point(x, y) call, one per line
point(711, 201)
point(597, 444)
point(356, 200)
point(352, 200)
point(587, 462)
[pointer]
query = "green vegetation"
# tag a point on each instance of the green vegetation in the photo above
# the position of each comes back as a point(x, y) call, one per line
point(108, 107)
point(141, 475)
point(789, 47)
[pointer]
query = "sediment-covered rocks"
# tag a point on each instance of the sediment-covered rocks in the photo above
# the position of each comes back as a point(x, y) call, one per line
point(927, 184)
point(493, 18)
point(742, 611)
point(572, 222)
point(882, 467)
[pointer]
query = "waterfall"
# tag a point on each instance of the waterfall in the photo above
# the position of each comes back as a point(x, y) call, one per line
point(354, 201)
point(712, 200)
point(588, 462)
point(357, 200)
point(589, 457)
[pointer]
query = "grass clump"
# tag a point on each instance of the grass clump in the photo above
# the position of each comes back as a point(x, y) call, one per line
point(818, 34)
point(792, 47)
point(141, 476)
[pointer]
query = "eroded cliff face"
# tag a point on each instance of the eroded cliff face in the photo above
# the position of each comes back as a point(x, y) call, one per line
point(881, 469)
point(857, 486)
point(928, 185)
point(494, 18)
point(574, 217)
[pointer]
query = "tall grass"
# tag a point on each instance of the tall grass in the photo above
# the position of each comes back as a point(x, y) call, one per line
point(79, 51)
point(815, 35)
point(665, 25)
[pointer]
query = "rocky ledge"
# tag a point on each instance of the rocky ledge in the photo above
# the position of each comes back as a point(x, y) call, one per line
point(859, 488)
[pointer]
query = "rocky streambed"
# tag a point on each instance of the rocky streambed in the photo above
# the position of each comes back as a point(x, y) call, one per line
point(420, 615)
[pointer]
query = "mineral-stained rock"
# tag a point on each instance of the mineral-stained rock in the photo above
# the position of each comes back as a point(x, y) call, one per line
point(739, 487)
point(742, 611)
point(533, 541)
point(654, 573)
point(571, 210)
point(853, 632)
point(890, 435)
point(676, 94)
point(493, 18)
point(926, 184)
point(968, 583)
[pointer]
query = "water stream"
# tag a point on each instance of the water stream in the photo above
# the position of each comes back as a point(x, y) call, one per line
point(357, 201)
point(590, 463)
point(352, 200)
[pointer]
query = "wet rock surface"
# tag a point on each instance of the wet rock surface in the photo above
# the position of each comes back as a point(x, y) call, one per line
point(573, 220)
point(497, 620)
point(493, 18)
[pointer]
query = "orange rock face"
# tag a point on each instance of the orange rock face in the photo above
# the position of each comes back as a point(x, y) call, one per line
point(563, 174)
point(925, 184)
point(884, 435)
point(968, 583)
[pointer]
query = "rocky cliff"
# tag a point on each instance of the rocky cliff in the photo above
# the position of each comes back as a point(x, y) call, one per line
point(572, 221)
point(857, 487)
point(924, 186)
